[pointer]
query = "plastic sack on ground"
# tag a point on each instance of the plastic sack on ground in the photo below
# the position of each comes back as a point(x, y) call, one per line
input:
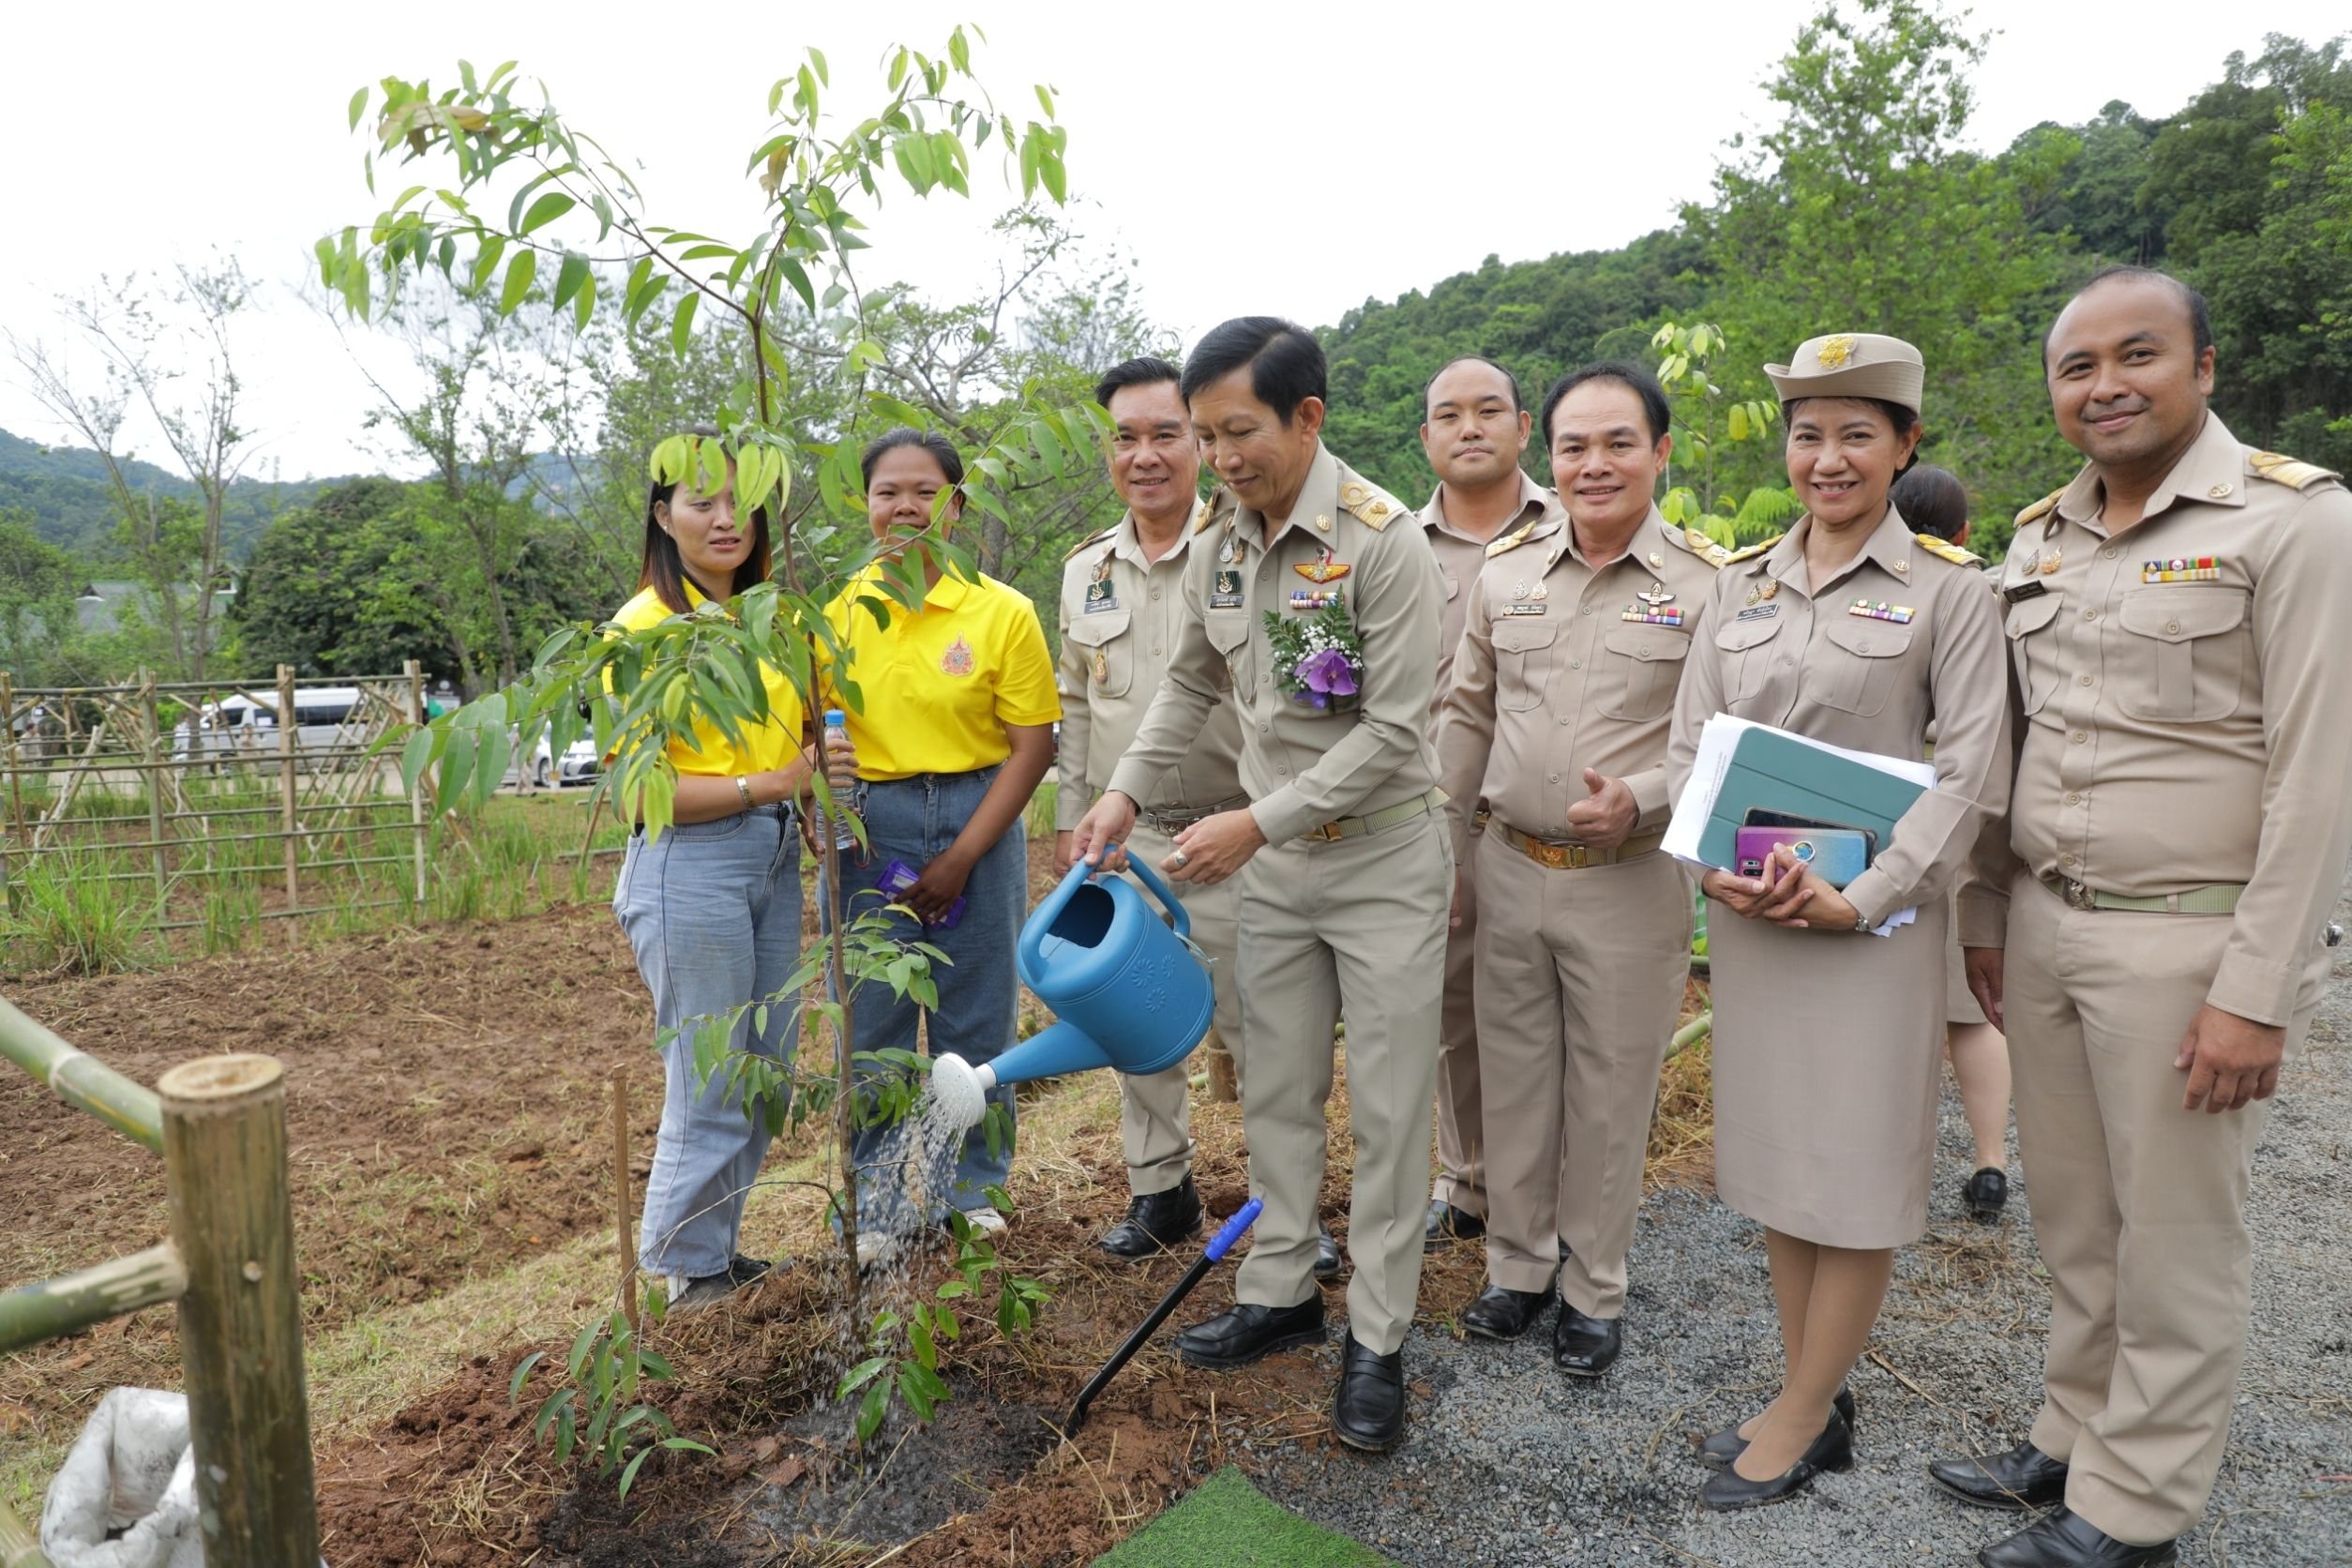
point(127, 1495)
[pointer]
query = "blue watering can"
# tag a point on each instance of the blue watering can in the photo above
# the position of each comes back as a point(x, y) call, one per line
point(1126, 985)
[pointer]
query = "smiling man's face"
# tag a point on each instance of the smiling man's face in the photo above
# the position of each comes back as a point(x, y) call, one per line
point(2127, 382)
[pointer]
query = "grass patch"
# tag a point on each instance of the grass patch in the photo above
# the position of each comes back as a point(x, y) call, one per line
point(1225, 1522)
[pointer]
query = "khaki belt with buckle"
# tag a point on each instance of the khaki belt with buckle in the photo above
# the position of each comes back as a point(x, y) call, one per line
point(1572, 857)
point(1169, 820)
point(1377, 821)
point(2220, 898)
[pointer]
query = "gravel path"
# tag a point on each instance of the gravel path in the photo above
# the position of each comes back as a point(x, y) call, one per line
point(1507, 1463)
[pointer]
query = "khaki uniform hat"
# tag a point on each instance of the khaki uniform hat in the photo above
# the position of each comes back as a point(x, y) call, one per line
point(1852, 365)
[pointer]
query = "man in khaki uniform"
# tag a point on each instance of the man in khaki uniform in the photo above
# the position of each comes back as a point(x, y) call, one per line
point(1563, 690)
point(1318, 600)
point(1122, 606)
point(1474, 433)
point(2149, 931)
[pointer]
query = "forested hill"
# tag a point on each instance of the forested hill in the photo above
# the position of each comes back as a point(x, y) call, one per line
point(1863, 211)
point(72, 502)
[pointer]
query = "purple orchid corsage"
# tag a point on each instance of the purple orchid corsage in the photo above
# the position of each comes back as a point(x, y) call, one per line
point(1318, 659)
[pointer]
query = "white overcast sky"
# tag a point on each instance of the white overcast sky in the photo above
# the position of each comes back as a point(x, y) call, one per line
point(1287, 159)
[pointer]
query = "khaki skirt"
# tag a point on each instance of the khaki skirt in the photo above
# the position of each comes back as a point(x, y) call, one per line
point(1828, 1054)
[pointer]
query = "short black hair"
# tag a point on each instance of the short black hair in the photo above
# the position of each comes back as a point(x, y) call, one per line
point(1656, 412)
point(942, 450)
point(1146, 369)
point(1285, 363)
point(1495, 365)
point(2201, 317)
point(1932, 501)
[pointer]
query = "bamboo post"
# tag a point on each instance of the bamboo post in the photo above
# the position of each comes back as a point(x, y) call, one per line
point(18, 1547)
point(1690, 1035)
point(15, 791)
point(286, 726)
point(416, 819)
point(152, 711)
point(224, 1154)
point(35, 1313)
point(80, 1080)
point(621, 1194)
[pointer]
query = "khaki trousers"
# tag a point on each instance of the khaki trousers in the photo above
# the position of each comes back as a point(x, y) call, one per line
point(1576, 1000)
point(2138, 1205)
point(1461, 1129)
point(1357, 926)
point(1156, 1112)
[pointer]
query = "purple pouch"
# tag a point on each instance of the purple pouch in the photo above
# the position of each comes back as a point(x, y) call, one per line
point(897, 879)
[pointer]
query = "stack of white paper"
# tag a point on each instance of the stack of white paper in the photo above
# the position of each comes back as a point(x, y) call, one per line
point(1716, 742)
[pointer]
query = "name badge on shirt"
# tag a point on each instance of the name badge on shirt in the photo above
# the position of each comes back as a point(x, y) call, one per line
point(1226, 592)
point(1099, 596)
point(1534, 609)
point(1759, 613)
point(2032, 588)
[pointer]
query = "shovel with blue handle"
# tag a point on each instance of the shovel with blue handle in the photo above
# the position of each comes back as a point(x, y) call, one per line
point(1219, 1244)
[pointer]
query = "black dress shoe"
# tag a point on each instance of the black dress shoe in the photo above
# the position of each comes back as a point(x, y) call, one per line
point(1447, 1223)
point(1721, 1448)
point(1370, 1409)
point(1986, 1193)
point(2022, 1478)
point(1833, 1450)
point(1501, 1313)
point(1155, 1220)
point(2064, 1539)
point(1328, 1259)
point(1585, 1347)
point(1249, 1333)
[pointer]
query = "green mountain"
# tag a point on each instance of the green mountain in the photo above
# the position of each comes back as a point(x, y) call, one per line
point(67, 495)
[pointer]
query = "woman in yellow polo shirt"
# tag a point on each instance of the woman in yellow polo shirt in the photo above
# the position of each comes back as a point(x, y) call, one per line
point(712, 908)
point(954, 733)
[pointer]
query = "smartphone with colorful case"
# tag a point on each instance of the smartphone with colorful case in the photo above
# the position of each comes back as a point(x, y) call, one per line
point(1837, 854)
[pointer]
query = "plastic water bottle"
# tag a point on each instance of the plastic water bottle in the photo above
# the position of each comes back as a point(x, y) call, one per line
point(844, 835)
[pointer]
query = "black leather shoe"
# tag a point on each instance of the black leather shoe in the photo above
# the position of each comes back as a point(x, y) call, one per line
point(2022, 1478)
point(1328, 1258)
point(1249, 1333)
point(2064, 1539)
point(1370, 1409)
point(1585, 1347)
point(1833, 1450)
point(1986, 1193)
point(1447, 1223)
point(1155, 1220)
point(1501, 1313)
point(1721, 1448)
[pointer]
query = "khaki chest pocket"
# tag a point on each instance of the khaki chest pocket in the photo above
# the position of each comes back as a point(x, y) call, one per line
point(1110, 651)
point(1857, 669)
point(1640, 668)
point(2033, 647)
point(1745, 649)
point(1523, 665)
point(1228, 634)
point(2184, 655)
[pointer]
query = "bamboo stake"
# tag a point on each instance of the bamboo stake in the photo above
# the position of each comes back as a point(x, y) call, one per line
point(621, 1194)
point(80, 1080)
point(153, 714)
point(286, 726)
point(18, 1547)
point(16, 793)
point(224, 1152)
point(416, 819)
point(59, 806)
point(1690, 1035)
point(33, 1314)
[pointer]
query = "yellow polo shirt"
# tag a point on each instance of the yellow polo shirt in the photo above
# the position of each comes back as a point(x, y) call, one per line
point(766, 745)
point(941, 686)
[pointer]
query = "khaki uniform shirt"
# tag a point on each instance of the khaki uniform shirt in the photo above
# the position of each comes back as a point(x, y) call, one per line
point(1345, 539)
point(1121, 614)
point(1901, 638)
point(2184, 711)
point(1565, 667)
point(1460, 558)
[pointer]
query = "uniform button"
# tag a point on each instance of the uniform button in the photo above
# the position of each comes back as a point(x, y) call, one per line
point(1155, 649)
point(1576, 664)
point(1281, 767)
point(1551, 778)
point(2172, 625)
point(2073, 799)
point(1155, 593)
point(2109, 553)
point(2078, 737)
point(2066, 860)
point(1262, 680)
point(2091, 615)
point(2086, 680)
point(1586, 610)
point(1563, 720)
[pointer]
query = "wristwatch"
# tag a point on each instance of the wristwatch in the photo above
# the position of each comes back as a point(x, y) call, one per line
point(1863, 923)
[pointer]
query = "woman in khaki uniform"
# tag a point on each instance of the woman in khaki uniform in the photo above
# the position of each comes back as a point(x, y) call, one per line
point(1855, 631)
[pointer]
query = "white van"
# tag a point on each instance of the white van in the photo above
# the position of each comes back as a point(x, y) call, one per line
point(244, 722)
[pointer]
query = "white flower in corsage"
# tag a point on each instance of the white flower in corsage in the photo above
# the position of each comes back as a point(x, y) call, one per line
point(1318, 659)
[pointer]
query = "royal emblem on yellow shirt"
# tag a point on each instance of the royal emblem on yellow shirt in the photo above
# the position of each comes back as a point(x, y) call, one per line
point(957, 660)
point(1323, 568)
point(1836, 351)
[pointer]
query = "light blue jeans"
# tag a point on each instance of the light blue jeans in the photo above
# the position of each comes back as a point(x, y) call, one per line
point(713, 913)
point(914, 821)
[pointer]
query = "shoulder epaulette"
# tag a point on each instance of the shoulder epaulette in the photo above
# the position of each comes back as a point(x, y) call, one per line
point(1944, 549)
point(1733, 557)
point(2040, 508)
point(1091, 540)
point(1707, 550)
point(1514, 540)
point(1371, 505)
point(2288, 471)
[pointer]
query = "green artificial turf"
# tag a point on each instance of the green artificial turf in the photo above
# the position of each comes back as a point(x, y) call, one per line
point(1225, 1522)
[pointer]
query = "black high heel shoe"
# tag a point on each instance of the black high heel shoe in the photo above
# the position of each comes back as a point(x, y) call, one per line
point(1722, 1447)
point(1833, 1450)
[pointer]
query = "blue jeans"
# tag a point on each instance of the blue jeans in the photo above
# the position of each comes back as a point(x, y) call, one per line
point(713, 913)
point(914, 821)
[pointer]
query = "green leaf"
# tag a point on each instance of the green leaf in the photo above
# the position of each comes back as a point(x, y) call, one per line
point(415, 758)
point(457, 770)
point(871, 1411)
point(628, 1475)
point(1045, 99)
point(859, 1375)
point(358, 106)
point(584, 307)
point(518, 277)
point(522, 1373)
point(682, 323)
point(485, 261)
point(570, 278)
point(547, 209)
